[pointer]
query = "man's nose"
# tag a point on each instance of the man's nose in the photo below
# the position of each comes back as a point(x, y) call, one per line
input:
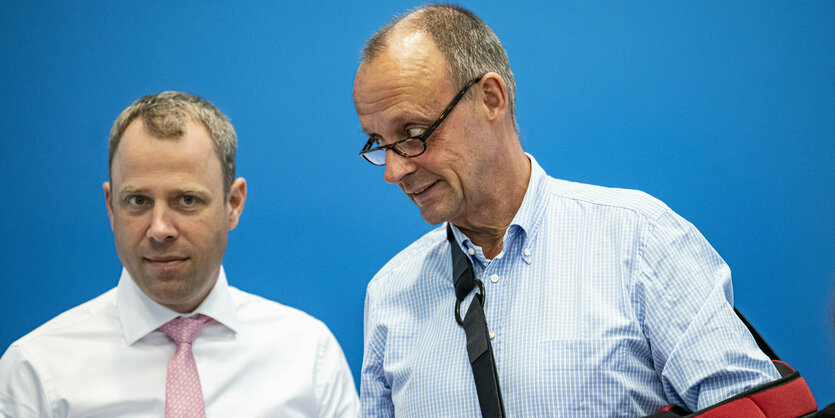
point(162, 227)
point(397, 167)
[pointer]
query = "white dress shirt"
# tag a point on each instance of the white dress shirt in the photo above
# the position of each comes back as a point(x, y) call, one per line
point(106, 358)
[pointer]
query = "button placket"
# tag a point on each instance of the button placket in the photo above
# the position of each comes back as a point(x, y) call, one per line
point(495, 306)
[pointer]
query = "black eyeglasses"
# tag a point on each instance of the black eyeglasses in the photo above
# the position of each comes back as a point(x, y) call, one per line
point(414, 145)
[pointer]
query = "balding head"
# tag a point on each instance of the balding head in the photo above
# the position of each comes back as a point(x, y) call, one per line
point(468, 45)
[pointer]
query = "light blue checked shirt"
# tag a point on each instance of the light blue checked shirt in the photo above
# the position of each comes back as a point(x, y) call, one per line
point(603, 302)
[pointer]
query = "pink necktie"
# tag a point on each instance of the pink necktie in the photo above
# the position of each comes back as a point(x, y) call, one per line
point(183, 394)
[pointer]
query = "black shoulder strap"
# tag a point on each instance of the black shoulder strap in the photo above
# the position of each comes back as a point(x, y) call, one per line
point(757, 337)
point(479, 350)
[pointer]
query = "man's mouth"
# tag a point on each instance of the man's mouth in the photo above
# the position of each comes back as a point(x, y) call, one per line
point(166, 261)
point(421, 194)
point(422, 190)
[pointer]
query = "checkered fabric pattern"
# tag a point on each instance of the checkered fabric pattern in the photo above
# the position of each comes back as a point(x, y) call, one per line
point(603, 302)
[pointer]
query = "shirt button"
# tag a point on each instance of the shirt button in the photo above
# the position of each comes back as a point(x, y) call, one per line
point(471, 251)
point(492, 335)
point(526, 251)
point(494, 278)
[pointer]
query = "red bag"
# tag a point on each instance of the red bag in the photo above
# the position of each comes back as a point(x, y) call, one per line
point(787, 397)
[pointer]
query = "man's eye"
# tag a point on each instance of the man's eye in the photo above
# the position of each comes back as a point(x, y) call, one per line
point(376, 141)
point(188, 200)
point(415, 132)
point(137, 200)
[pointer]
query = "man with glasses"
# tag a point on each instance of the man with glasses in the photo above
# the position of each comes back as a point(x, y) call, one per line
point(537, 297)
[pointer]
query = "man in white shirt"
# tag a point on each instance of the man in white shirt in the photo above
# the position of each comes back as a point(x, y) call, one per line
point(173, 337)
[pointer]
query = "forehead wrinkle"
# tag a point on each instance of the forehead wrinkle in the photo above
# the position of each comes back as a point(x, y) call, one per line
point(384, 100)
point(398, 111)
point(144, 156)
point(393, 103)
point(413, 64)
point(381, 80)
point(407, 82)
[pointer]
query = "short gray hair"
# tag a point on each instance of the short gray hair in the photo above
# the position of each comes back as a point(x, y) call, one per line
point(469, 46)
point(164, 116)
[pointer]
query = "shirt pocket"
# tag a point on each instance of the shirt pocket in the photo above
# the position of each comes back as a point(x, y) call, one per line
point(583, 354)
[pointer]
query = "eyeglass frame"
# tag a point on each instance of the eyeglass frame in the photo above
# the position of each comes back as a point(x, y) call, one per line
point(422, 137)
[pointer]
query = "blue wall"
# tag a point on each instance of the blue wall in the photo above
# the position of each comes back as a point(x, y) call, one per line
point(724, 110)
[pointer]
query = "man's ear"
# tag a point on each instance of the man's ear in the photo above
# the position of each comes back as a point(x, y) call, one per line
point(494, 96)
point(235, 202)
point(108, 202)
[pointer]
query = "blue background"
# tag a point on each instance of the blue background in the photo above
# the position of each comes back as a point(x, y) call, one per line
point(724, 110)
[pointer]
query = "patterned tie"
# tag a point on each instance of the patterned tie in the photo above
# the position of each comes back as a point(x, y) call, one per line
point(183, 394)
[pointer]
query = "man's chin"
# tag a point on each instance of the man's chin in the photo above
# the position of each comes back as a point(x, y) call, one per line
point(165, 284)
point(171, 294)
point(432, 217)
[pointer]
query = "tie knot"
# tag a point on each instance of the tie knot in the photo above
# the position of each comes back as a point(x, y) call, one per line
point(185, 330)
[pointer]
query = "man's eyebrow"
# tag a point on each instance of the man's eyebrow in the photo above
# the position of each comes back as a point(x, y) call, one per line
point(188, 190)
point(178, 191)
point(131, 190)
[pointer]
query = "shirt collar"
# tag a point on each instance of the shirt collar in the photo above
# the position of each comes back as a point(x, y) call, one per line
point(530, 212)
point(528, 216)
point(140, 315)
